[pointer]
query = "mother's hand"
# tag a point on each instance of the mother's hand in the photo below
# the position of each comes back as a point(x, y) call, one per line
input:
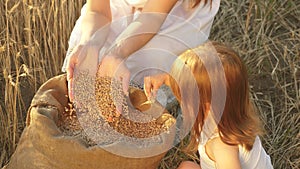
point(94, 28)
point(115, 67)
point(82, 58)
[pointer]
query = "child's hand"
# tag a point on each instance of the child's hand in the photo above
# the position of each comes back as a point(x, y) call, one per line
point(153, 83)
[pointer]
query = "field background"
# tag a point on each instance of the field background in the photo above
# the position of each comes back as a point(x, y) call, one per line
point(33, 42)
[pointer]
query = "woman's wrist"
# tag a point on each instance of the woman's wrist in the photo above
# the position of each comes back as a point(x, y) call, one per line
point(115, 56)
point(118, 51)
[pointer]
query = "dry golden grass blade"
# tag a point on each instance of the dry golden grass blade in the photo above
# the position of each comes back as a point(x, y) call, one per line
point(33, 41)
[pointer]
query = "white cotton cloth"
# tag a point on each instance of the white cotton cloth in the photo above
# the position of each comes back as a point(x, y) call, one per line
point(257, 158)
point(183, 29)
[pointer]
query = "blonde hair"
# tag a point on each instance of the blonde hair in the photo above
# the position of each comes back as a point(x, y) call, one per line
point(239, 123)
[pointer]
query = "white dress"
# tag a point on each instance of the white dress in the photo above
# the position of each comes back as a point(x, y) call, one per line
point(183, 29)
point(257, 158)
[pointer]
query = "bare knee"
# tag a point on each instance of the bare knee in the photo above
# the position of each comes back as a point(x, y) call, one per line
point(188, 165)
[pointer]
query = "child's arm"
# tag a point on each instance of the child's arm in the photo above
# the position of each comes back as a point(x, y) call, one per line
point(152, 84)
point(224, 155)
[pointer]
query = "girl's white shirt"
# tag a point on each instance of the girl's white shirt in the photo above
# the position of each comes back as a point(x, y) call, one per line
point(184, 28)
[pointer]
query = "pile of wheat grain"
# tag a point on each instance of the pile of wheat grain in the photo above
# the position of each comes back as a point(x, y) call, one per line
point(130, 123)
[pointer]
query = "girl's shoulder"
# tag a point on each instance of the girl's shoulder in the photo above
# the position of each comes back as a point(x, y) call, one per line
point(216, 145)
point(221, 153)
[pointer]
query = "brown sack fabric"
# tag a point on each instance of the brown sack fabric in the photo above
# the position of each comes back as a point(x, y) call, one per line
point(43, 146)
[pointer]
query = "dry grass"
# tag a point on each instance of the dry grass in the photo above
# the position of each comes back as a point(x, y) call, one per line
point(267, 35)
point(33, 42)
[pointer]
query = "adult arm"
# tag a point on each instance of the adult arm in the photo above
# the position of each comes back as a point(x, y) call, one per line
point(98, 14)
point(143, 28)
point(134, 37)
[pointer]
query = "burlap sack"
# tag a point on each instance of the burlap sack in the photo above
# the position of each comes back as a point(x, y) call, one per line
point(43, 146)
